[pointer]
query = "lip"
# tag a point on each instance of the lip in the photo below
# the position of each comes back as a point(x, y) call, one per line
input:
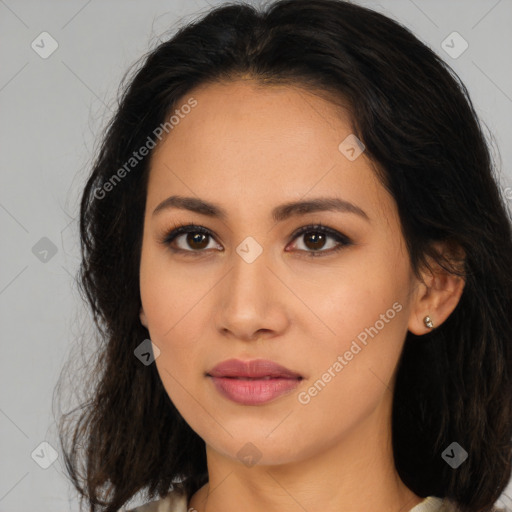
point(255, 368)
point(253, 382)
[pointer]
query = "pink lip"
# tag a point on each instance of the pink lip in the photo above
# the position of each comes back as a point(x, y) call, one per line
point(253, 382)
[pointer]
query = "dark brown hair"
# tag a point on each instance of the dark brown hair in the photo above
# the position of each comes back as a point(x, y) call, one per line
point(420, 129)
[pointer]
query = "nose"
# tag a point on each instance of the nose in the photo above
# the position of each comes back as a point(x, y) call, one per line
point(252, 301)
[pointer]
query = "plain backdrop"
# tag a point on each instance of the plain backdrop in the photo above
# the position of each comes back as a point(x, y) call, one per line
point(53, 107)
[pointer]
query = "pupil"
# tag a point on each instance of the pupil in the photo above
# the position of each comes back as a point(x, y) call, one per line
point(196, 238)
point(317, 238)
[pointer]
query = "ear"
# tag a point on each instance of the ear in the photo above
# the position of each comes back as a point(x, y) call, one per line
point(143, 319)
point(438, 292)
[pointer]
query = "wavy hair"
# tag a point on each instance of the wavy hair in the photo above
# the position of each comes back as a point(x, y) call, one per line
point(422, 134)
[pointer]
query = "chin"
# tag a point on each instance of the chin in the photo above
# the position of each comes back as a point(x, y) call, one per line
point(259, 450)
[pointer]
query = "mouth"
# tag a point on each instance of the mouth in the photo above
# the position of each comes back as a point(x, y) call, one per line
point(253, 382)
point(266, 377)
point(254, 369)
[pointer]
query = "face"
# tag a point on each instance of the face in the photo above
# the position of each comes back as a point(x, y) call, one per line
point(331, 303)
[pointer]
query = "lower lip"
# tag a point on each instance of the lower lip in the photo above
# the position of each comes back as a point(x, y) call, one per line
point(255, 391)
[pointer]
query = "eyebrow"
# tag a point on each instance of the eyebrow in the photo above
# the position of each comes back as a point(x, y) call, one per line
point(279, 213)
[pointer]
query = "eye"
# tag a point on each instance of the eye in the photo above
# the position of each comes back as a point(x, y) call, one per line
point(194, 239)
point(315, 237)
point(191, 235)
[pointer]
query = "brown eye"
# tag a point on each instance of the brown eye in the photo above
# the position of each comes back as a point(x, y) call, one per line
point(316, 237)
point(197, 240)
point(314, 240)
point(190, 239)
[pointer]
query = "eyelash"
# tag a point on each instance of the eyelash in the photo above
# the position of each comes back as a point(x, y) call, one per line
point(179, 229)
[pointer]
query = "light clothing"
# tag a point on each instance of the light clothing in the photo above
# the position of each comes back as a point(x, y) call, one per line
point(175, 502)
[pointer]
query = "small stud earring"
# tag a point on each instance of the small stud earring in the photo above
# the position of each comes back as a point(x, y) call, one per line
point(428, 322)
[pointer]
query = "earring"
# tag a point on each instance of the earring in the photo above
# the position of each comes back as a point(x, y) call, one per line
point(428, 322)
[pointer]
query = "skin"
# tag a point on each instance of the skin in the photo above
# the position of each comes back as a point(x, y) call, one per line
point(250, 148)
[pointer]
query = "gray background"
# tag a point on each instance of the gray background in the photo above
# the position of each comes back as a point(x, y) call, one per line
point(52, 111)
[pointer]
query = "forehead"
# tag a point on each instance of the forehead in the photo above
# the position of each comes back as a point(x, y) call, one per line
point(253, 118)
point(269, 143)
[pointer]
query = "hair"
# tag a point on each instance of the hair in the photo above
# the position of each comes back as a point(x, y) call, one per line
point(424, 139)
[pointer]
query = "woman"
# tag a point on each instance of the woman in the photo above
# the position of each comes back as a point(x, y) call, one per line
point(299, 260)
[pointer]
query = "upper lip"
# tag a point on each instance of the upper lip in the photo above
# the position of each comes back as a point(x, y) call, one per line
point(256, 368)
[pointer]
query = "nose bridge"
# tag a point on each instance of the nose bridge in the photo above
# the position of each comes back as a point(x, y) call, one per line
point(248, 280)
point(250, 302)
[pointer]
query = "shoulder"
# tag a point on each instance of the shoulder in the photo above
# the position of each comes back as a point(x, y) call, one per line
point(448, 507)
point(435, 504)
point(173, 502)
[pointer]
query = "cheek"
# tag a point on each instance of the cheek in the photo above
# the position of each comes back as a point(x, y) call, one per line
point(175, 322)
point(369, 325)
point(364, 299)
point(352, 370)
point(177, 305)
point(168, 294)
